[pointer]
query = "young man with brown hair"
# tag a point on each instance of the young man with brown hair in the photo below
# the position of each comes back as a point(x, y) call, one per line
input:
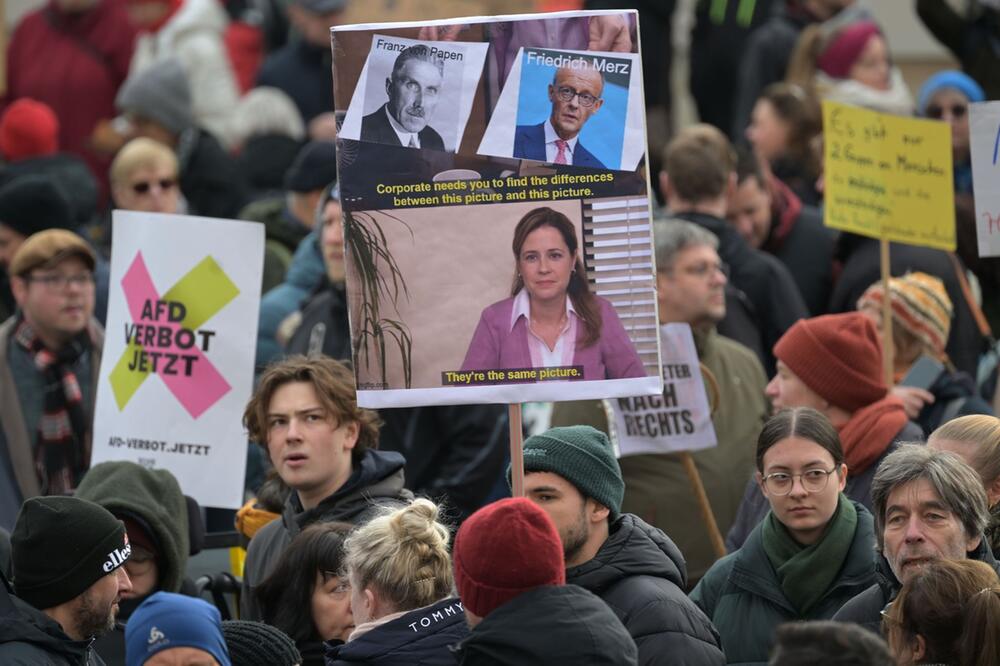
point(697, 180)
point(322, 445)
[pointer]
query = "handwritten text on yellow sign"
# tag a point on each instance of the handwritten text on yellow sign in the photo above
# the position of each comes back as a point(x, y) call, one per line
point(888, 177)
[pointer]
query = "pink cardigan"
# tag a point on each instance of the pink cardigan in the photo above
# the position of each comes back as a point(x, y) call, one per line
point(495, 346)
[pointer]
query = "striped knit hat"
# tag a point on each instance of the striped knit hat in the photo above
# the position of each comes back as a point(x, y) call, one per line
point(920, 305)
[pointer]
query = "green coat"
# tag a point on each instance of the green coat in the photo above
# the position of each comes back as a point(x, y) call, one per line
point(657, 488)
point(742, 596)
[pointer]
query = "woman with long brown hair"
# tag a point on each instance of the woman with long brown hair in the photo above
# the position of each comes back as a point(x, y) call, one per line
point(552, 318)
point(948, 613)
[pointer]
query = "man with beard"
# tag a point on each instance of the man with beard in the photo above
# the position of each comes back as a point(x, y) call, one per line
point(571, 473)
point(413, 88)
point(928, 505)
point(68, 577)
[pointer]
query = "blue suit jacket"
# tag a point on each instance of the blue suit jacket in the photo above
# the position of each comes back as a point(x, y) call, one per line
point(529, 144)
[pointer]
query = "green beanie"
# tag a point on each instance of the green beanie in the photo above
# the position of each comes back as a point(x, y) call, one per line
point(583, 456)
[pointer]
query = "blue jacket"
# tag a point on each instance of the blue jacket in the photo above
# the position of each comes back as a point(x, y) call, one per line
point(304, 275)
point(420, 638)
point(529, 144)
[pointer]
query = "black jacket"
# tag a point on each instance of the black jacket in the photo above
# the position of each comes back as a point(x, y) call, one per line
point(860, 257)
point(376, 481)
point(422, 637)
point(549, 626)
point(639, 573)
point(454, 453)
point(762, 277)
point(29, 637)
point(954, 395)
point(866, 608)
point(806, 249)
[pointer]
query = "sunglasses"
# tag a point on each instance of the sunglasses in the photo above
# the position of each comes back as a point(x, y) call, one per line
point(937, 112)
point(145, 186)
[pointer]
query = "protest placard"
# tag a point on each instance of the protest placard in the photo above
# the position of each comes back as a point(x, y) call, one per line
point(679, 419)
point(177, 367)
point(888, 177)
point(495, 270)
point(984, 136)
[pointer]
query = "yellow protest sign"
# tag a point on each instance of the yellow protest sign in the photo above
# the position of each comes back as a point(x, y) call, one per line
point(888, 176)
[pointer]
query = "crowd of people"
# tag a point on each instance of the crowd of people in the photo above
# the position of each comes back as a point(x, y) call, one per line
point(860, 512)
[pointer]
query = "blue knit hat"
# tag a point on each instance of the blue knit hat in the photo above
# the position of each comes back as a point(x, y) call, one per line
point(166, 620)
point(949, 78)
point(583, 456)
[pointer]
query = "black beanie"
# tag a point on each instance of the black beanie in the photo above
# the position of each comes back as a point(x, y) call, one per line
point(314, 167)
point(33, 203)
point(61, 546)
point(252, 643)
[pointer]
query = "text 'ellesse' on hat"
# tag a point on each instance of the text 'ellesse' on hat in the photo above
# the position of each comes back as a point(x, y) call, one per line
point(61, 546)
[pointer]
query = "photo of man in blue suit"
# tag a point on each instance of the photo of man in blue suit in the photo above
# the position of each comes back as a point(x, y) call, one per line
point(575, 94)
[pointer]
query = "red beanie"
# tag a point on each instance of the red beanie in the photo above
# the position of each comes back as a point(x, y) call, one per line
point(503, 550)
point(845, 47)
point(838, 356)
point(28, 129)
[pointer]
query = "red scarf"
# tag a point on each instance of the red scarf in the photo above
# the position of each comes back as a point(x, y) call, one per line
point(785, 209)
point(870, 432)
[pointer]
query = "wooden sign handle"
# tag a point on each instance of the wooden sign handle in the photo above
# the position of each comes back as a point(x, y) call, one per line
point(516, 450)
point(887, 349)
point(706, 508)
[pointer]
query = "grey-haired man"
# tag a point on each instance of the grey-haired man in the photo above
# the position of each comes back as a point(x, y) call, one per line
point(928, 505)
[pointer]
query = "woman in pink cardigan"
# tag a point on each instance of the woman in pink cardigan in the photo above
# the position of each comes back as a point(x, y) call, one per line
point(552, 319)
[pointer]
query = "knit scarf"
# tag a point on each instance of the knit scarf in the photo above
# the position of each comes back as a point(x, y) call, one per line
point(870, 432)
point(807, 572)
point(59, 459)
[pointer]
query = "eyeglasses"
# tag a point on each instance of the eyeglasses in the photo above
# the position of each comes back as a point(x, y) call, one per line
point(565, 93)
point(145, 186)
point(936, 111)
point(59, 281)
point(813, 481)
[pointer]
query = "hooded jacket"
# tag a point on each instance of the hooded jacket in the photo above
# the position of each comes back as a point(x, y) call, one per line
point(639, 573)
point(743, 597)
point(866, 608)
point(376, 481)
point(421, 637)
point(29, 636)
point(549, 626)
point(153, 497)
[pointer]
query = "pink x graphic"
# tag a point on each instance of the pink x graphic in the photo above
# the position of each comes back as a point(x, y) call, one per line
point(206, 385)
